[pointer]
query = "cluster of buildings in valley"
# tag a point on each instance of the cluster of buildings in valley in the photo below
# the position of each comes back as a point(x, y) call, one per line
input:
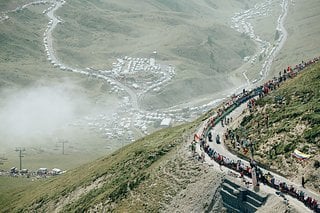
point(131, 77)
point(39, 173)
point(127, 74)
point(141, 74)
point(129, 124)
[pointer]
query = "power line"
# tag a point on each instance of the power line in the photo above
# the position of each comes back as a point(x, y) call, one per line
point(20, 150)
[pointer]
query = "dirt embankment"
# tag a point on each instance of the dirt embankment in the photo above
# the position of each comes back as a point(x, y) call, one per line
point(202, 194)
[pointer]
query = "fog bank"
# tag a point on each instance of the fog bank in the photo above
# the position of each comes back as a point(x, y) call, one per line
point(36, 113)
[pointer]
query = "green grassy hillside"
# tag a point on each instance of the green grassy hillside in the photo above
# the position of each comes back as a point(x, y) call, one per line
point(292, 124)
point(12, 4)
point(196, 38)
point(108, 181)
point(22, 57)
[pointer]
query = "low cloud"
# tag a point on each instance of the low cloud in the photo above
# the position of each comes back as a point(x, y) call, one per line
point(39, 111)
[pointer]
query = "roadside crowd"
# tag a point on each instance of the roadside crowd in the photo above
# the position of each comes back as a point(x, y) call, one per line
point(205, 136)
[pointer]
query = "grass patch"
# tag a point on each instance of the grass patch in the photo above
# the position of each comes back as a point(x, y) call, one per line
point(312, 135)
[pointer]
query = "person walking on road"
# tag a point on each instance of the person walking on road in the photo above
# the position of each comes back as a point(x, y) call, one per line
point(218, 139)
point(210, 136)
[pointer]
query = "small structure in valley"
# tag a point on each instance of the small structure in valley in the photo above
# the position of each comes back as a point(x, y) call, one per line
point(166, 122)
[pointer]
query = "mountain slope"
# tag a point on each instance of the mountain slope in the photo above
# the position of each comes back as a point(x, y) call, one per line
point(286, 120)
point(302, 41)
point(148, 174)
point(193, 36)
point(107, 181)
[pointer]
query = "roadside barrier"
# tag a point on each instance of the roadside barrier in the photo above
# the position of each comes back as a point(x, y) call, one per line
point(238, 166)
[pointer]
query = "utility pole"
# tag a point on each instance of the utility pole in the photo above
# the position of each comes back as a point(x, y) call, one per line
point(2, 159)
point(20, 150)
point(63, 142)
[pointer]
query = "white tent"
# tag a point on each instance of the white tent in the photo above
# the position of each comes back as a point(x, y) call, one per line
point(166, 122)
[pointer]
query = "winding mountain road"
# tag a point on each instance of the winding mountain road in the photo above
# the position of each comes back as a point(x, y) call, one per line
point(222, 150)
point(283, 34)
point(134, 97)
point(55, 60)
point(218, 129)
